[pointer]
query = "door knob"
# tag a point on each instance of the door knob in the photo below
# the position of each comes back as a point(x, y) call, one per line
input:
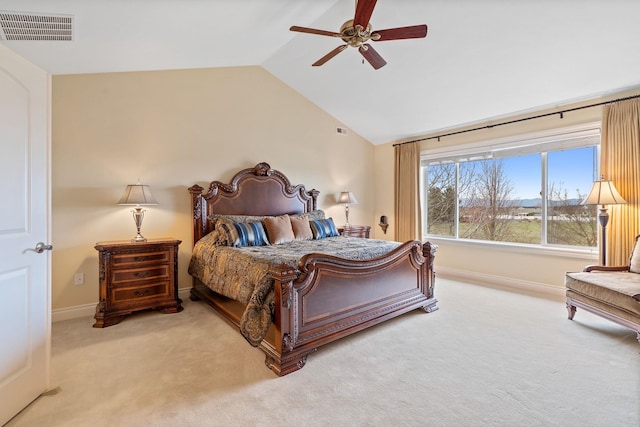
point(41, 247)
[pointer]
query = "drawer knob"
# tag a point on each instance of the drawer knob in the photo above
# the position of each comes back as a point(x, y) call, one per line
point(140, 293)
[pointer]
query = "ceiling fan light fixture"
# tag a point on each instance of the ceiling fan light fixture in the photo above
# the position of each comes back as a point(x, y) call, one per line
point(355, 36)
point(357, 32)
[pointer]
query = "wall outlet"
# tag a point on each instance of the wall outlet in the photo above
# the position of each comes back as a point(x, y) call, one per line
point(79, 279)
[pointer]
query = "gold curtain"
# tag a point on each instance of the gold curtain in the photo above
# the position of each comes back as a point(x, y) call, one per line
point(408, 215)
point(620, 162)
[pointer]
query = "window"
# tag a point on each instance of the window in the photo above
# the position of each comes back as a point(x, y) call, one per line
point(523, 190)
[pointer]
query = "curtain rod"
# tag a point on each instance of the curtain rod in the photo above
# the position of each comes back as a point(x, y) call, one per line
point(561, 113)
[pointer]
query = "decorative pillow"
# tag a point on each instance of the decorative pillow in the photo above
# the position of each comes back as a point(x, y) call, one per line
point(634, 261)
point(248, 234)
point(218, 237)
point(279, 229)
point(322, 228)
point(313, 215)
point(215, 218)
point(301, 227)
point(224, 232)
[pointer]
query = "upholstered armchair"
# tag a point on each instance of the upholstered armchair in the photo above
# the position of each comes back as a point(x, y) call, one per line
point(612, 292)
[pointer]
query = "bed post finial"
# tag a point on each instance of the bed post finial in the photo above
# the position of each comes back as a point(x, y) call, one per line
point(314, 198)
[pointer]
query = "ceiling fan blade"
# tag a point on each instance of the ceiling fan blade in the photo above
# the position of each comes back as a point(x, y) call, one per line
point(329, 55)
point(372, 56)
point(314, 31)
point(364, 9)
point(413, 32)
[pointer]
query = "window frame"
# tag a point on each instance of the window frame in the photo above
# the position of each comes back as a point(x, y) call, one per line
point(569, 137)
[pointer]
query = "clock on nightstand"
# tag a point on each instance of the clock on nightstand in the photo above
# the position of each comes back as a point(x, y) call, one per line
point(136, 276)
point(355, 231)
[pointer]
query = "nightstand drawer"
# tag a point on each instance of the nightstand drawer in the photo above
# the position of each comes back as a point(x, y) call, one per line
point(131, 294)
point(361, 231)
point(137, 274)
point(138, 259)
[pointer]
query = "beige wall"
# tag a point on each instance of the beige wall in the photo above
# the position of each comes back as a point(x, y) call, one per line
point(172, 129)
point(487, 263)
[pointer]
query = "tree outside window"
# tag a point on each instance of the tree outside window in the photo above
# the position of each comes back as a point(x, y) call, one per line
point(503, 198)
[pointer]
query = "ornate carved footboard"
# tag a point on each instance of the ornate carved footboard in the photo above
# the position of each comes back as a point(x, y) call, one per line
point(326, 297)
point(333, 297)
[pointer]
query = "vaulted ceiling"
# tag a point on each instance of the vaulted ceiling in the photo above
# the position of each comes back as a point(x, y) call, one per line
point(481, 59)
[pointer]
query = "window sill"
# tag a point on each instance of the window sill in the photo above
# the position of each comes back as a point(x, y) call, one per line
point(588, 254)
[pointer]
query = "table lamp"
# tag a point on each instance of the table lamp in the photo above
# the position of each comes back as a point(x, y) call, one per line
point(347, 198)
point(138, 195)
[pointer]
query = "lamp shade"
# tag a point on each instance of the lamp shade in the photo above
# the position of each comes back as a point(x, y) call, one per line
point(347, 198)
point(603, 193)
point(137, 194)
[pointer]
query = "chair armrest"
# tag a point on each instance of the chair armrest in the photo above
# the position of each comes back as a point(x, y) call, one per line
point(589, 268)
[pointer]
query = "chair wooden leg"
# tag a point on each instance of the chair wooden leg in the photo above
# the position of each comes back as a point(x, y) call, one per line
point(571, 309)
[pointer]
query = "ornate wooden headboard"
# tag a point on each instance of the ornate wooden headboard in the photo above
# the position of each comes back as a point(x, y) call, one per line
point(253, 191)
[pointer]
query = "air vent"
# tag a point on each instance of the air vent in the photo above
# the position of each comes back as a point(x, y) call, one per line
point(34, 26)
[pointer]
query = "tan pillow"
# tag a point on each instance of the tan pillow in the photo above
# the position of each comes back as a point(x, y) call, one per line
point(279, 229)
point(301, 227)
point(634, 261)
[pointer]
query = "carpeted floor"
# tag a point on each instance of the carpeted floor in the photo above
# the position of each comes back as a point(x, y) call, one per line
point(488, 357)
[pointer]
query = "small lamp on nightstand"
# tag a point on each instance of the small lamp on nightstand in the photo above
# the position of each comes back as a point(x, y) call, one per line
point(138, 195)
point(347, 198)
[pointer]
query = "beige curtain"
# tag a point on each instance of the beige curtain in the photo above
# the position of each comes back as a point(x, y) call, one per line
point(620, 162)
point(408, 216)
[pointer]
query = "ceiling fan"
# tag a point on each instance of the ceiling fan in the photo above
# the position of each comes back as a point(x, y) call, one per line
point(357, 32)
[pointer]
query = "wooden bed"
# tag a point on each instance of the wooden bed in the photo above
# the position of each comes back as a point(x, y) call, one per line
point(327, 297)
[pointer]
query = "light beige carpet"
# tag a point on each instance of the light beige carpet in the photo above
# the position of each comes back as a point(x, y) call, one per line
point(488, 357)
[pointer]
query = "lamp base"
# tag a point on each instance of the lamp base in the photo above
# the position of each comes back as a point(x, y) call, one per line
point(603, 219)
point(346, 214)
point(138, 215)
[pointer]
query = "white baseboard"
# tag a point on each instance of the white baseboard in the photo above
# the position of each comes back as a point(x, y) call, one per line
point(85, 310)
point(506, 283)
point(89, 310)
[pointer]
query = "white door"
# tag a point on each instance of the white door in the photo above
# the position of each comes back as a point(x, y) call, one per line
point(25, 309)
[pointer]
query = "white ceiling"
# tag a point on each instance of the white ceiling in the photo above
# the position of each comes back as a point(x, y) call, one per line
point(482, 59)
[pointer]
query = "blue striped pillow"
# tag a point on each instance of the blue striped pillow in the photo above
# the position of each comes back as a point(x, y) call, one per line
point(250, 234)
point(245, 234)
point(322, 228)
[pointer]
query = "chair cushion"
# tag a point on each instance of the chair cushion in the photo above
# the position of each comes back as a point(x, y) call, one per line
point(617, 288)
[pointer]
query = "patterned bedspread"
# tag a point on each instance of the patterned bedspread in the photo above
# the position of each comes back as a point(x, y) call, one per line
point(242, 274)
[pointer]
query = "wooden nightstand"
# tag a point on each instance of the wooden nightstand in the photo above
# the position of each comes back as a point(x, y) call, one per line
point(136, 276)
point(355, 231)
